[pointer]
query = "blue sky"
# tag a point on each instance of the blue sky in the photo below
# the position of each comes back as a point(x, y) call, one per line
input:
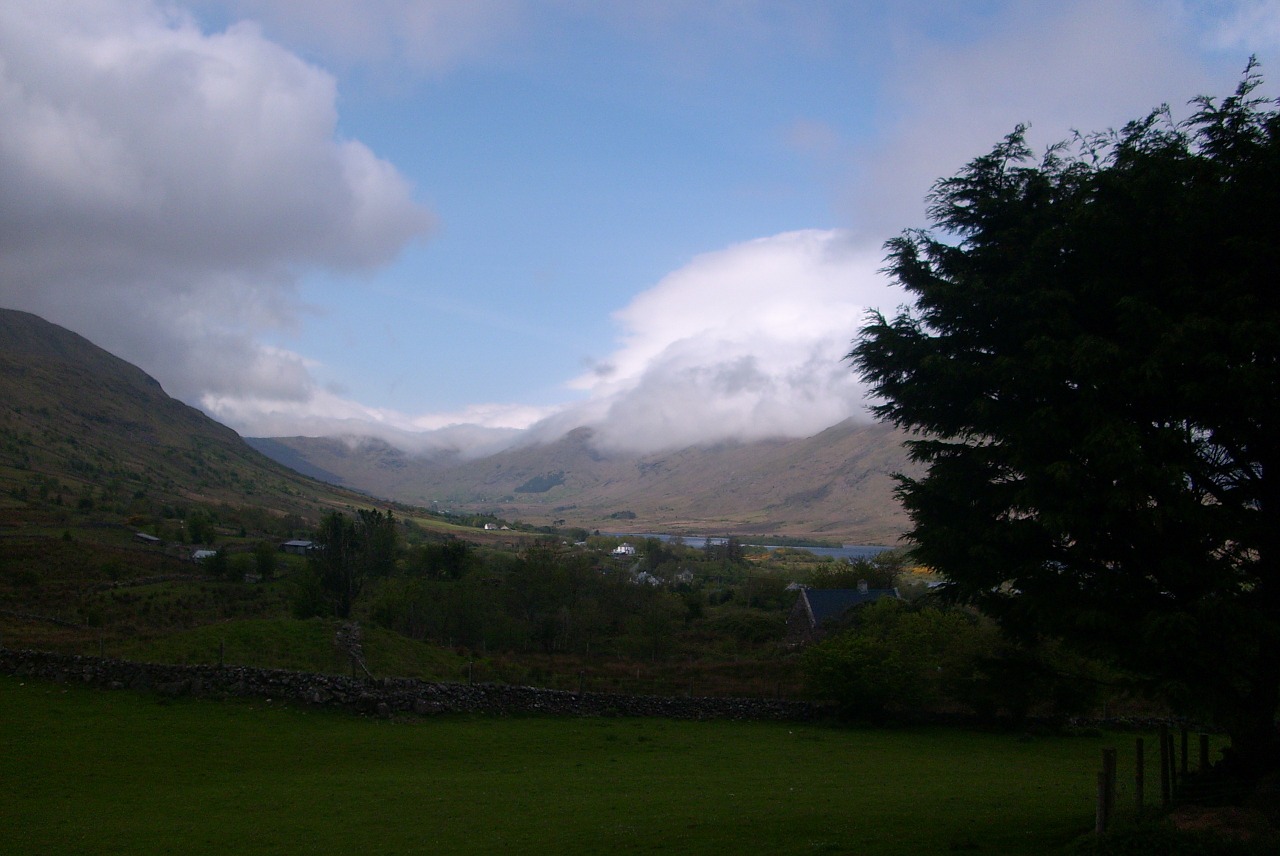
point(464, 223)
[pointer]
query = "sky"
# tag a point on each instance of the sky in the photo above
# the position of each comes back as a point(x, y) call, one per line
point(463, 224)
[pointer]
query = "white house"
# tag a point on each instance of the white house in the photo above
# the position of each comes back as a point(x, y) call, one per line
point(624, 550)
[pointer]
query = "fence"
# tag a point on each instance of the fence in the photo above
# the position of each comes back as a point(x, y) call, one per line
point(1179, 780)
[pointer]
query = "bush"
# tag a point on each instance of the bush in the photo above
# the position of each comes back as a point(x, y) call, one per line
point(307, 595)
point(748, 627)
point(900, 656)
point(895, 657)
point(264, 558)
point(240, 566)
point(218, 565)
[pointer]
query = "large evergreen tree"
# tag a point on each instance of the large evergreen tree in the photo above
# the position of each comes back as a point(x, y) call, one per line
point(1091, 373)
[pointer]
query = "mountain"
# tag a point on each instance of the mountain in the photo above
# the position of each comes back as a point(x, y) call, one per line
point(81, 426)
point(84, 427)
point(836, 485)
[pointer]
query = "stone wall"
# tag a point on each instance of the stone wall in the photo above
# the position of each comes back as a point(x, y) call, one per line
point(384, 697)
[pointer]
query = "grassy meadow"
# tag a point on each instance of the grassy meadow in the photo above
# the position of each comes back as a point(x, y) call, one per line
point(92, 772)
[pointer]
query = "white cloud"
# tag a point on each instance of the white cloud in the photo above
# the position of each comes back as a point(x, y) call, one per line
point(745, 343)
point(1253, 25)
point(1058, 67)
point(161, 188)
point(426, 35)
point(477, 430)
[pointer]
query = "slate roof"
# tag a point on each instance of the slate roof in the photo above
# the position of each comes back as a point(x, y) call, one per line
point(830, 604)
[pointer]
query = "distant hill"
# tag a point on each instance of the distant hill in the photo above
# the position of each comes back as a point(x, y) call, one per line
point(79, 425)
point(836, 485)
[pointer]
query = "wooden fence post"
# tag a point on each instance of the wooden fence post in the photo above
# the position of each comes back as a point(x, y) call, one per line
point(1109, 767)
point(1139, 774)
point(1204, 753)
point(1182, 767)
point(1166, 764)
point(1106, 791)
point(1100, 807)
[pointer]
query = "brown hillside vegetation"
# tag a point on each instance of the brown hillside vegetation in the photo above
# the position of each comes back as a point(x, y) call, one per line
point(83, 428)
point(835, 485)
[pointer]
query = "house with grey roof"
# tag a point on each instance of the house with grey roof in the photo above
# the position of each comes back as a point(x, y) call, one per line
point(818, 612)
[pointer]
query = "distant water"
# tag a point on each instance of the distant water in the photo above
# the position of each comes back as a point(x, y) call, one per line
point(847, 551)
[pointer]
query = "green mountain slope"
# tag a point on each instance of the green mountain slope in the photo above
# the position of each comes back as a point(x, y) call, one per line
point(82, 427)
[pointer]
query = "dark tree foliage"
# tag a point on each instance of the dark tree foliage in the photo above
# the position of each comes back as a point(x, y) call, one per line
point(264, 559)
point(445, 560)
point(218, 565)
point(348, 553)
point(1091, 374)
point(729, 550)
point(881, 571)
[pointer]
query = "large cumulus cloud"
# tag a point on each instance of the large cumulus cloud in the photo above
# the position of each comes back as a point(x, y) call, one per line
point(744, 343)
point(162, 189)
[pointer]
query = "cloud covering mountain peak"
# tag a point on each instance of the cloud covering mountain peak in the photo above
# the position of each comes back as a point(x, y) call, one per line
point(743, 343)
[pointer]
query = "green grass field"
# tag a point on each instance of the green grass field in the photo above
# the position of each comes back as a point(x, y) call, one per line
point(86, 772)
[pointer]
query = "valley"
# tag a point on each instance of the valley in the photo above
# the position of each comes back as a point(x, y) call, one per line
point(109, 490)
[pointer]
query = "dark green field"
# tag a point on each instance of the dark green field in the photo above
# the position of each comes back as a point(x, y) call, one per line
point(85, 772)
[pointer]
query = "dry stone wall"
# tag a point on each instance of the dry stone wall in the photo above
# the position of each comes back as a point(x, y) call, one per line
point(384, 697)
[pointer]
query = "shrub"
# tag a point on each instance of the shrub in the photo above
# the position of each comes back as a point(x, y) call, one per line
point(897, 657)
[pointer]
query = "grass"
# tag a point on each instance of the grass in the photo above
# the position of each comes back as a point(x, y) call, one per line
point(90, 772)
point(290, 643)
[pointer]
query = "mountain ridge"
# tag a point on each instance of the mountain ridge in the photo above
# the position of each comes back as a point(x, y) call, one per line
point(836, 484)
